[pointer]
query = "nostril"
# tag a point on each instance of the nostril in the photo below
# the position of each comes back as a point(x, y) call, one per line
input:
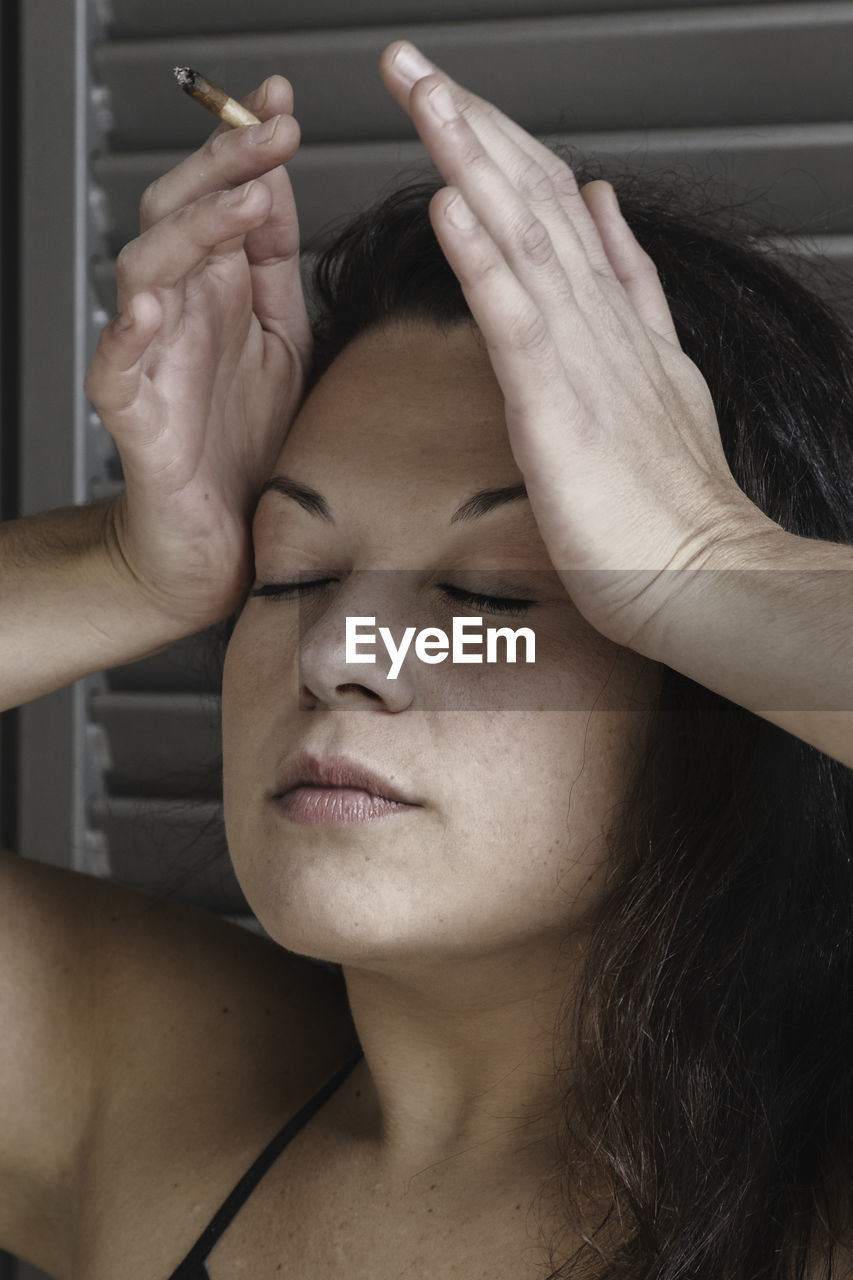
point(357, 688)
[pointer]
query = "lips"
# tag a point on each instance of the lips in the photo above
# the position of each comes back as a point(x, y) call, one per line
point(336, 792)
point(306, 770)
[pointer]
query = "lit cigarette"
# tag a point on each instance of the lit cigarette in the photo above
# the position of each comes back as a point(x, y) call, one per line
point(215, 99)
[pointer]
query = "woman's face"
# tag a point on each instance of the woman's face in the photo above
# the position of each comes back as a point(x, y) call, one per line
point(511, 772)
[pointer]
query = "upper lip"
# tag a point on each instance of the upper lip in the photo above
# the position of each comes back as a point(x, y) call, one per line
point(305, 770)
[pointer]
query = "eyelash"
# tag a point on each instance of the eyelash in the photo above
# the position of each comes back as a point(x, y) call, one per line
point(486, 604)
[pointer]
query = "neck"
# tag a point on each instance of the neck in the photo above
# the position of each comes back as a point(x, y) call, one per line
point(459, 1077)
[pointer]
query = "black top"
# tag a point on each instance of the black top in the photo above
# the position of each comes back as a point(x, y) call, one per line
point(193, 1266)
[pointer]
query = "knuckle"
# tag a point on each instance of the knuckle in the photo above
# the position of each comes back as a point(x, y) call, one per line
point(529, 333)
point(216, 143)
point(535, 183)
point(484, 266)
point(564, 181)
point(95, 385)
point(151, 202)
point(535, 242)
point(125, 261)
point(587, 289)
point(646, 264)
point(473, 155)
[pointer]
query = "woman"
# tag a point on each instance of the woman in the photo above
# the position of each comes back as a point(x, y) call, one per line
point(594, 919)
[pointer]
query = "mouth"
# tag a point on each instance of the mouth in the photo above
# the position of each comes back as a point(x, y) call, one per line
point(336, 791)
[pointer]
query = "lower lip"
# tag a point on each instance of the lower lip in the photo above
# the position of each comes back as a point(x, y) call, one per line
point(336, 806)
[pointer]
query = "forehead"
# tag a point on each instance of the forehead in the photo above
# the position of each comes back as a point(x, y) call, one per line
point(410, 399)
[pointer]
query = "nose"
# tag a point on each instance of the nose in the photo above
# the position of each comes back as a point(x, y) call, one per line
point(326, 678)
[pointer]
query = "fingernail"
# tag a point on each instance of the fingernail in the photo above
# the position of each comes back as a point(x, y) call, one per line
point(411, 63)
point(239, 194)
point(459, 213)
point(265, 132)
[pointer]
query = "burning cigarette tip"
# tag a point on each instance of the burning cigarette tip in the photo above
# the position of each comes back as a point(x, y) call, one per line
point(216, 100)
point(186, 78)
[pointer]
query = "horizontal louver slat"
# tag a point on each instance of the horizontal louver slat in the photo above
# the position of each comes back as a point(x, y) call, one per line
point(130, 18)
point(174, 847)
point(160, 744)
point(805, 172)
point(758, 64)
point(825, 263)
point(746, 99)
point(191, 666)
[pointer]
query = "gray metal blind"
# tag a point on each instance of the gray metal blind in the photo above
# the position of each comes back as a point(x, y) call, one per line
point(754, 99)
point(119, 775)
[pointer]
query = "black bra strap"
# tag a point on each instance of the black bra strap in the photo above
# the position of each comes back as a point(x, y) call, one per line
point(190, 1266)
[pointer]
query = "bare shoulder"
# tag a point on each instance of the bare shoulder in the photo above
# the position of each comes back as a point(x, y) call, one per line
point(178, 980)
point(141, 1035)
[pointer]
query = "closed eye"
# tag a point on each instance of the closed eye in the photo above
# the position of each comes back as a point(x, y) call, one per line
point(487, 604)
point(289, 590)
point(483, 603)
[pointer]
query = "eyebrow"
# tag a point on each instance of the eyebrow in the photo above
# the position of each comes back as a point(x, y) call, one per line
point(309, 499)
point(479, 504)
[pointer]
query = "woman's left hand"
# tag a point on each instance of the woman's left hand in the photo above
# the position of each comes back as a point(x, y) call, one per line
point(611, 424)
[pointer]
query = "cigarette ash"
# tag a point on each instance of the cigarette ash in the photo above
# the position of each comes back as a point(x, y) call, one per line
point(186, 78)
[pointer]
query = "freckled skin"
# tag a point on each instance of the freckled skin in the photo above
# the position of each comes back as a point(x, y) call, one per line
point(450, 919)
point(421, 428)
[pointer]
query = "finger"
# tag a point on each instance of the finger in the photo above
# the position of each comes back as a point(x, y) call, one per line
point(231, 157)
point(526, 223)
point(525, 358)
point(402, 65)
point(273, 253)
point(112, 379)
point(181, 242)
point(548, 188)
point(634, 268)
point(271, 98)
point(277, 293)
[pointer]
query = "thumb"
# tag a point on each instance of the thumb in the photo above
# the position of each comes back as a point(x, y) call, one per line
point(114, 374)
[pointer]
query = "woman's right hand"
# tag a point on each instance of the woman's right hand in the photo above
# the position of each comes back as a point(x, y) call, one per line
point(198, 377)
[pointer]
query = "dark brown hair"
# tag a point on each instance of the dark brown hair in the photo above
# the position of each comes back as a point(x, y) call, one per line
point(711, 1046)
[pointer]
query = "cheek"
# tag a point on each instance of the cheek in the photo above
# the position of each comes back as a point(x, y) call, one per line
point(533, 789)
point(241, 681)
point(260, 657)
point(256, 707)
point(546, 806)
point(259, 673)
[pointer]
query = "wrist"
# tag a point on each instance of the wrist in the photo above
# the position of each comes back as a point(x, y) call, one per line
point(131, 608)
point(739, 536)
point(174, 586)
point(757, 622)
point(752, 541)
